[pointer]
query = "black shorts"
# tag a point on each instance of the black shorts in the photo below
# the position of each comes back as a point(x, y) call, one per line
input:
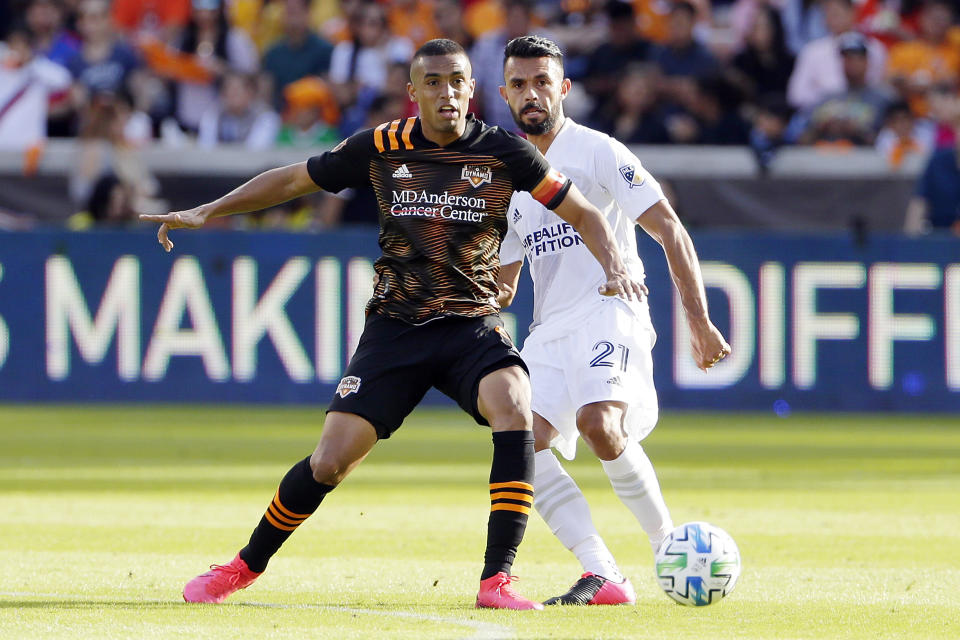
point(396, 364)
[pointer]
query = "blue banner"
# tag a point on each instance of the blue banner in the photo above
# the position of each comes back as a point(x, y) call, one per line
point(815, 322)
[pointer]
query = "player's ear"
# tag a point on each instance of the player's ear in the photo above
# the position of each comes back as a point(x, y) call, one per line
point(473, 86)
point(412, 92)
point(565, 88)
point(503, 93)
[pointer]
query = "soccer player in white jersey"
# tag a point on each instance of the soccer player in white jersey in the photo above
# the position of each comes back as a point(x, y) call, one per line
point(590, 356)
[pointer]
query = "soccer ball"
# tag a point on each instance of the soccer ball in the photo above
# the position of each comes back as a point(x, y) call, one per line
point(698, 564)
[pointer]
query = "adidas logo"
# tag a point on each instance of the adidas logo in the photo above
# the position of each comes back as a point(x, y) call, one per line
point(402, 172)
point(615, 380)
point(516, 215)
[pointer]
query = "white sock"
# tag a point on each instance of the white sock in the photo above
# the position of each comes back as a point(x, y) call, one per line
point(635, 482)
point(561, 504)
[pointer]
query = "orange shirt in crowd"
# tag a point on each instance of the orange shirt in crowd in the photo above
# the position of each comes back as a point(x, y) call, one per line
point(922, 63)
point(652, 17)
point(482, 16)
point(413, 20)
point(150, 15)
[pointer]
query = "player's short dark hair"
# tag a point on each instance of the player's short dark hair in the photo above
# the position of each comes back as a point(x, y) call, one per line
point(439, 47)
point(532, 47)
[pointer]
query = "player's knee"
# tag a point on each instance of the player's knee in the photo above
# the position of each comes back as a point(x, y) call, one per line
point(543, 433)
point(542, 436)
point(327, 470)
point(511, 417)
point(600, 424)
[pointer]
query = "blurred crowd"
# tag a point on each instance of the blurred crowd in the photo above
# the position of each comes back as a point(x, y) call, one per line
point(121, 74)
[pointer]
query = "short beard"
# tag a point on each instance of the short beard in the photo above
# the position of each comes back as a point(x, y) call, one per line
point(540, 128)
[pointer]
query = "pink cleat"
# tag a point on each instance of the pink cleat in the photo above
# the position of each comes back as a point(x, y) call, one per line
point(496, 593)
point(221, 581)
point(594, 589)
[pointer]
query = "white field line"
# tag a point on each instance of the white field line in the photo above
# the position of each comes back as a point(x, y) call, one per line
point(481, 630)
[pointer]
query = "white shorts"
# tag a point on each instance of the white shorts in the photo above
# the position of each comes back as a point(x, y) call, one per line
point(606, 358)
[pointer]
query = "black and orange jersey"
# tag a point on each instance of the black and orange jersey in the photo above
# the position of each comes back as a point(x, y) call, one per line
point(442, 211)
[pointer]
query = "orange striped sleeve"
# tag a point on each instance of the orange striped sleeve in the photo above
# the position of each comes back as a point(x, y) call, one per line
point(378, 137)
point(392, 135)
point(405, 136)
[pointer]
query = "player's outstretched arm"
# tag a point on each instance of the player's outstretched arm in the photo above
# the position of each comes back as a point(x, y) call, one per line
point(597, 235)
point(268, 189)
point(507, 283)
point(663, 225)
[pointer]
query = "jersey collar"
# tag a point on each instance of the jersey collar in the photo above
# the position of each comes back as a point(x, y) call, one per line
point(420, 140)
point(566, 126)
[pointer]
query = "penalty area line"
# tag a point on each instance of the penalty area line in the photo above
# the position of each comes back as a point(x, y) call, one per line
point(481, 630)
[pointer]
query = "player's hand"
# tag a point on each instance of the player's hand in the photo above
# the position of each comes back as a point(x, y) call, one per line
point(708, 345)
point(505, 294)
point(190, 219)
point(624, 287)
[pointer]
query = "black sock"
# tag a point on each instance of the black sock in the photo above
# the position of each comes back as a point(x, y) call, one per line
point(297, 498)
point(511, 497)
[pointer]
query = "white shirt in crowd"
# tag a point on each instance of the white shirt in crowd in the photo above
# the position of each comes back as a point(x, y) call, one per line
point(24, 96)
point(818, 71)
point(372, 63)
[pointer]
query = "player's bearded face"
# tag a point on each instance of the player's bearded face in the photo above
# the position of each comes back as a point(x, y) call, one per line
point(534, 118)
point(534, 89)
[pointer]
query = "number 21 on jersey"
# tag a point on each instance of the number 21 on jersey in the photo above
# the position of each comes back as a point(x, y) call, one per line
point(604, 350)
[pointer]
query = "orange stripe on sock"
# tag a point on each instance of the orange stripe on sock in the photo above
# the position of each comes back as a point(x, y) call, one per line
point(407, 128)
point(378, 137)
point(274, 522)
point(511, 485)
point(272, 510)
point(512, 496)
point(506, 506)
point(290, 514)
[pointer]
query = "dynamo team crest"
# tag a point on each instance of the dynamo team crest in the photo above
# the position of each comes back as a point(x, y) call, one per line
point(476, 175)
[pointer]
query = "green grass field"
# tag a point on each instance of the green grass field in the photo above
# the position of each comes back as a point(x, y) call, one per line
point(849, 527)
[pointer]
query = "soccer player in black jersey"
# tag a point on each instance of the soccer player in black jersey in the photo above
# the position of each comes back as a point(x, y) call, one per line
point(443, 181)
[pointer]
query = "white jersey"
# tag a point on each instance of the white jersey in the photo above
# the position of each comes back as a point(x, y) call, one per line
point(565, 274)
